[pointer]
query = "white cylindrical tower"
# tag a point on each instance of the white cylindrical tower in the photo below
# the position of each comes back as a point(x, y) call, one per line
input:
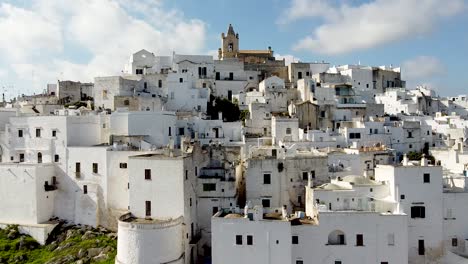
point(150, 241)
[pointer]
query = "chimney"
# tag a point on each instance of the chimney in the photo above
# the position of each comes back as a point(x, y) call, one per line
point(424, 160)
point(309, 180)
point(405, 160)
point(284, 212)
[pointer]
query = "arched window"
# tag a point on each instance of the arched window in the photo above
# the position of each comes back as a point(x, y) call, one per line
point(39, 157)
point(336, 237)
point(288, 131)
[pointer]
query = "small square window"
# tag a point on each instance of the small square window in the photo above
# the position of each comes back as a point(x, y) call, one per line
point(427, 178)
point(238, 239)
point(147, 174)
point(402, 196)
point(295, 240)
point(266, 203)
point(123, 165)
point(249, 240)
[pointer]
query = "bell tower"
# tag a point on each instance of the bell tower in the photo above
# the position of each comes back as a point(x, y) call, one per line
point(229, 44)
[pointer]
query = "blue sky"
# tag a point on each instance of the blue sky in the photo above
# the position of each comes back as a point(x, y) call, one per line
point(46, 40)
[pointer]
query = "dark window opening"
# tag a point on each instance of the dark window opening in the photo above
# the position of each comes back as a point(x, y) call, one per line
point(148, 208)
point(249, 240)
point(95, 168)
point(359, 240)
point(295, 240)
point(123, 165)
point(418, 212)
point(266, 178)
point(266, 203)
point(38, 132)
point(421, 250)
point(427, 178)
point(85, 189)
point(238, 239)
point(20, 133)
point(56, 158)
point(147, 174)
point(209, 187)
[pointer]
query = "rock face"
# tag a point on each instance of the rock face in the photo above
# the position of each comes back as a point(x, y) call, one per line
point(67, 244)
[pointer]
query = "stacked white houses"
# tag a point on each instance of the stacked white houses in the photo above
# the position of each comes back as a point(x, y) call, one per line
point(243, 158)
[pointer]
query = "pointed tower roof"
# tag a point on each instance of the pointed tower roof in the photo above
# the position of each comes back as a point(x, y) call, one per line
point(231, 30)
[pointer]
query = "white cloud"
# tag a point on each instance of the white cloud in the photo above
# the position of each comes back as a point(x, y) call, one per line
point(26, 33)
point(106, 32)
point(422, 68)
point(349, 27)
point(287, 58)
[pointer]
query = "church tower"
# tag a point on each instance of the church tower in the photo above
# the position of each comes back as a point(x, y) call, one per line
point(229, 44)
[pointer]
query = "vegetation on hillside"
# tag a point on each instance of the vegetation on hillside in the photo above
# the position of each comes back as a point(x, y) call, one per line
point(69, 244)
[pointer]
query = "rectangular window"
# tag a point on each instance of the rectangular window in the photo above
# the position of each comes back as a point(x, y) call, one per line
point(359, 240)
point(38, 132)
point(85, 189)
point(181, 131)
point(338, 262)
point(181, 80)
point(421, 249)
point(266, 203)
point(159, 83)
point(139, 71)
point(214, 210)
point(427, 178)
point(78, 167)
point(170, 132)
point(402, 196)
point(384, 262)
point(312, 174)
point(56, 158)
point(123, 165)
point(454, 242)
point(209, 187)
point(148, 208)
point(238, 239)
point(231, 76)
point(20, 132)
point(295, 240)
point(147, 174)
point(218, 76)
point(299, 262)
point(305, 176)
point(95, 168)
point(186, 174)
point(54, 133)
point(266, 178)
point(418, 212)
point(249, 240)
